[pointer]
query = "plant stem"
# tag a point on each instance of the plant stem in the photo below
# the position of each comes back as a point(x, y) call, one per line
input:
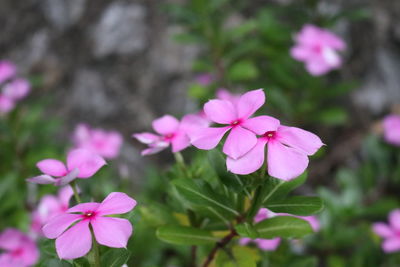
point(181, 163)
point(220, 244)
point(94, 256)
point(193, 256)
point(75, 190)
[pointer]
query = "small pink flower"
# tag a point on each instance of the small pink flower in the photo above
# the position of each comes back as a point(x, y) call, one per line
point(17, 89)
point(224, 94)
point(7, 70)
point(170, 132)
point(75, 241)
point(263, 244)
point(389, 232)
point(287, 153)
point(20, 249)
point(6, 104)
point(81, 163)
point(105, 143)
point(391, 129)
point(318, 49)
point(49, 207)
point(204, 79)
point(243, 129)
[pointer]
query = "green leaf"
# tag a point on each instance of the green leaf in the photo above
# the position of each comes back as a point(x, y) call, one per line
point(81, 262)
point(333, 116)
point(184, 235)
point(277, 188)
point(298, 205)
point(243, 70)
point(246, 230)
point(115, 257)
point(283, 226)
point(240, 256)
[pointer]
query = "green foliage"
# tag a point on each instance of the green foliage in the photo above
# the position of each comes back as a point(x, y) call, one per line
point(183, 235)
point(297, 205)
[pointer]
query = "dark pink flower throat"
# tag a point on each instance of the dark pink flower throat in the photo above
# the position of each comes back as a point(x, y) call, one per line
point(88, 215)
point(236, 122)
point(269, 135)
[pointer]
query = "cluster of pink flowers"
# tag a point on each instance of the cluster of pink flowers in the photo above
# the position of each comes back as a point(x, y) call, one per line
point(318, 48)
point(389, 232)
point(288, 147)
point(13, 88)
point(391, 129)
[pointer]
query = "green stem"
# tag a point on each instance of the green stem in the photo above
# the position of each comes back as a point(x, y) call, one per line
point(75, 190)
point(181, 163)
point(94, 255)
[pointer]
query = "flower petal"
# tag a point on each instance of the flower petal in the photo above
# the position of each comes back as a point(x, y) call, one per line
point(155, 148)
point(17, 89)
point(261, 124)
point(220, 111)
point(284, 162)
point(208, 138)
point(383, 230)
point(72, 175)
point(42, 179)
point(250, 102)
point(112, 232)
point(58, 224)
point(394, 219)
point(268, 244)
point(10, 239)
point(65, 194)
point(239, 142)
point(84, 207)
point(87, 162)
point(75, 242)
point(116, 203)
point(52, 167)
point(250, 162)
point(167, 124)
point(146, 138)
point(180, 141)
point(391, 245)
point(305, 141)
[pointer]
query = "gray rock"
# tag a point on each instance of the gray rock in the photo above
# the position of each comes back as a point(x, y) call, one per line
point(63, 13)
point(121, 30)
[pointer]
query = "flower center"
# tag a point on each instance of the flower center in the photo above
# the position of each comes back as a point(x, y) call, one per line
point(169, 136)
point(89, 215)
point(236, 122)
point(17, 252)
point(270, 134)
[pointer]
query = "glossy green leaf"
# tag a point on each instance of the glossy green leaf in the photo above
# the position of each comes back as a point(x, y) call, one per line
point(276, 188)
point(283, 226)
point(115, 257)
point(297, 205)
point(184, 235)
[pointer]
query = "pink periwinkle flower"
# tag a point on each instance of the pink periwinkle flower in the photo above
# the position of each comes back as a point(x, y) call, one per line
point(243, 129)
point(71, 229)
point(7, 70)
point(391, 129)
point(224, 94)
point(49, 207)
point(105, 143)
point(389, 232)
point(19, 249)
point(171, 132)
point(263, 244)
point(6, 104)
point(81, 163)
point(205, 79)
point(287, 153)
point(318, 49)
point(17, 89)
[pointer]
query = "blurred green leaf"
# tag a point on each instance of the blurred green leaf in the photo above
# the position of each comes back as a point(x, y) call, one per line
point(283, 226)
point(297, 205)
point(240, 256)
point(243, 70)
point(185, 235)
point(115, 257)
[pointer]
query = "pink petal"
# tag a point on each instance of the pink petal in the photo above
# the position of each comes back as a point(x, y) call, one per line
point(116, 203)
point(155, 148)
point(301, 53)
point(317, 67)
point(146, 138)
point(165, 125)
point(305, 141)
point(65, 194)
point(244, 241)
point(394, 219)
point(239, 142)
point(52, 167)
point(180, 141)
point(10, 239)
point(7, 70)
point(208, 138)
point(87, 162)
point(17, 89)
point(220, 111)
point(268, 244)
point(261, 124)
point(391, 129)
point(261, 215)
point(250, 162)
point(391, 245)
point(75, 242)
point(84, 207)
point(383, 230)
point(331, 57)
point(42, 179)
point(6, 104)
point(112, 232)
point(81, 134)
point(250, 102)
point(72, 175)
point(224, 94)
point(57, 225)
point(284, 162)
point(312, 220)
point(192, 123)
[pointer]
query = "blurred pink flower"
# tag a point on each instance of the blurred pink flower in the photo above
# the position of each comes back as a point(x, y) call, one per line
point(318, 49)
point(6, 104)
point(389, 232)
point(263, 244)
point(243, 129)
point(391, 129)
point(17, 89)
point(224, 94)
point(204, 79)
point(170, 132)
point(105, 143)
point(19, 249)
point(7, 70)
point(49, 207)
point(75, 241)
point(287, 153)
point(81, 163)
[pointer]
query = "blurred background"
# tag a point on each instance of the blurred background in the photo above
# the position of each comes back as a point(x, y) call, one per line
point(118, 65)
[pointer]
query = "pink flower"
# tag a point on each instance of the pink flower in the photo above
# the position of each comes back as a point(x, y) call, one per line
point(242, 137)
point(105, 144)
point(287, 153)
point(263, 244)
point(81, 163)
point(20, 250)
point(170, 132)
point(75, 241)
point(318, 49)
point(391, 129)
point(17, 89)
point(7, 70)
point(224, 94)
point(49, 207)
point(204, 79)
point(6, 104)
point(389, 232)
